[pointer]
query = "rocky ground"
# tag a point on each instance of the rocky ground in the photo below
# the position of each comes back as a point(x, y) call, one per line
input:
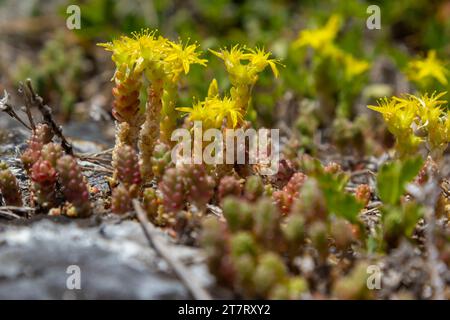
point(114, 257)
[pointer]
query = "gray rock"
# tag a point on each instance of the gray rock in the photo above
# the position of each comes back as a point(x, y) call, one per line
point(115, 261)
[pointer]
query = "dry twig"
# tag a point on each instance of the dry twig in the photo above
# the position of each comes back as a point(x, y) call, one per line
point(8, 109)
point(34, 99)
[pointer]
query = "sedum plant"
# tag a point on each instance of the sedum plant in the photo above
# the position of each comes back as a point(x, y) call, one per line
point(243, 66)
point(427, 73)
point(416, 120)
point(336, 73)
point(162, 62)
point(44, 177)
point(74, 187)
point(186, 183)
point(9, 187)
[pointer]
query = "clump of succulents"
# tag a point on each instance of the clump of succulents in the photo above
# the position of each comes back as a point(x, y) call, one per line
point(51, 152)
point(51, 171)
point(153, 205)
point(161, 159)
point(337, 74)
point(44, 178)
point(40, 136)
point(415, 121)
point(9, 187)
point(121, 200)
point(285, 197)
point(229, 185)
point(239, 252)
point(186, 183)
point(254, 188)
point(74, 187)
point(162, 62)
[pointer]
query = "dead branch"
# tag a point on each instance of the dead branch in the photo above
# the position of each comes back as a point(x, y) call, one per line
point(46, 112)
point(186, 277)
point(8, 214)
point(8, 109)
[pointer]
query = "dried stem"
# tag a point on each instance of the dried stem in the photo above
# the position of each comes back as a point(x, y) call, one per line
point(46, 111)
point(8, 109)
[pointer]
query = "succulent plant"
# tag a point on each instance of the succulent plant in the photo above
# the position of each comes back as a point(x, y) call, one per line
point(294, 232)
point(229, 185)
point(332, 168)
point(198, 185)
point(29, 157)
point(254, 188)
point(216, 243)
point(289, 289)
point(342, 233)
point(363, 194)
point(44, 177)
point(9, 187)
point(270, 271)
point(126, 166)
point(238, 214)
point(161, 159)
point(51, 152)
point(40, 136)
point(121, 200)
point(267, 223)
point(310, 202)
point(153, 205)
point(188, 182)
point(172, 189)
point(73, 186)
point(285, 198)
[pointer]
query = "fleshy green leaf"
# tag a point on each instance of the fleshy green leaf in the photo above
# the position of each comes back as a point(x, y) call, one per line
point(393, 177)
point(338, 201)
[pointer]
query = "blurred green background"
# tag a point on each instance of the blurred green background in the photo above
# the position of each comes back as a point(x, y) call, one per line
point(73, 74)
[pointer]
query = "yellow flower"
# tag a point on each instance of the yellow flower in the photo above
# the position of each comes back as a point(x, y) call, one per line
point(232, 57)
point(225, 109)
point(413, 119)
point(179, 58)
point(319, 38)
point(259, 60)
point(245, 64)
point(198, 112)
point(429, 108)
point(214, 112)
point(136, 52)
point(354, 67)
point(387, 107)
point(125, 53)
point(429, 68)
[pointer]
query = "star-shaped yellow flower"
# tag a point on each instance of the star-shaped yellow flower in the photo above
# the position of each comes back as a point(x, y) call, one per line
point(429, 68)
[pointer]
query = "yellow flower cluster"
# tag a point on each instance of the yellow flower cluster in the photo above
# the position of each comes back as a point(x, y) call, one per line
point(322, 40)
point(215, 112)
point(162, 61)
point(429, 68)
point(413, 120)
point(147, 51)
point(243, 66)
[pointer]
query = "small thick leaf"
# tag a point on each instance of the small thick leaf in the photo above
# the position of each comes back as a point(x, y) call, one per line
point(393, 177)
point(338, 201)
